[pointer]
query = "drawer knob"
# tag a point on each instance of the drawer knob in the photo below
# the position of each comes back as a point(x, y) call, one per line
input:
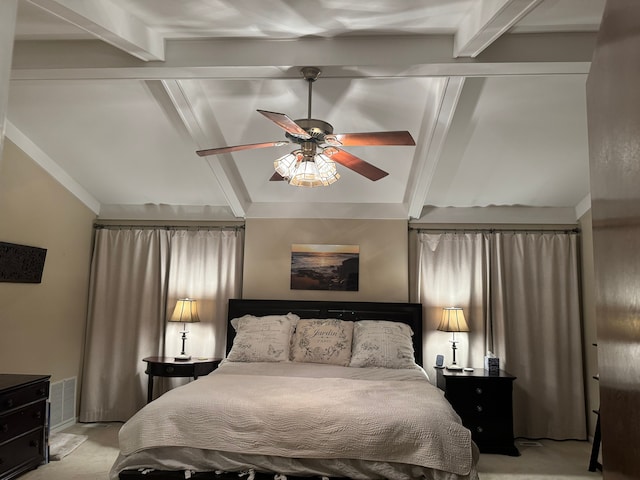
point(169, 369)
point(37, 414)
point(9, 403)
point(479, 408)
point(479, 390)
point(41, 392)
point(34, 443)
point(479, 429)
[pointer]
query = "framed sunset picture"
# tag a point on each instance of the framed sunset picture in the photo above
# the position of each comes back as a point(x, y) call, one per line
point(325, 267)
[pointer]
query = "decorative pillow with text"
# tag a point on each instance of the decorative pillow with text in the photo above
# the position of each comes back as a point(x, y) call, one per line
point(322, 341)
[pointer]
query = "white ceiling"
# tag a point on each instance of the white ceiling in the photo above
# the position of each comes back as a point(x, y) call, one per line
point(113, 97)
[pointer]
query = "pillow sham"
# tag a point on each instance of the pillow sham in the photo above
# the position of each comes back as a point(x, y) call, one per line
point(262, 339)
point(326, 340)
point(381, 343)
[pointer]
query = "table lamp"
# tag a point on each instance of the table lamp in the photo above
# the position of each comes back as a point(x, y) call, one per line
point(453, 321)
point(186, 311)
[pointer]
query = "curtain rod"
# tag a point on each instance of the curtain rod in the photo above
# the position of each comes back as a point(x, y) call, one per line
point(103, 226)
point(496, 230)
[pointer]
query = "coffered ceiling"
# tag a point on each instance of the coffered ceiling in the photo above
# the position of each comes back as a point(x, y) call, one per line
point(114, 97)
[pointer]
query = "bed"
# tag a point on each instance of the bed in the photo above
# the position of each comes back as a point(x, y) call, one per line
point(307, 389)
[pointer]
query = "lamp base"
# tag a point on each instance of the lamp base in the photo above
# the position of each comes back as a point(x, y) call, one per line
point(182, 358)
point(456, 368)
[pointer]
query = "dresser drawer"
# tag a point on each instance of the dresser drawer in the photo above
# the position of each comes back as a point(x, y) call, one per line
point(22, 452)
point(22, 420)
point(24, 395)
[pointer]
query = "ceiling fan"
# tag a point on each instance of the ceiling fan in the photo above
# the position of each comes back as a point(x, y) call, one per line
point(314, 162)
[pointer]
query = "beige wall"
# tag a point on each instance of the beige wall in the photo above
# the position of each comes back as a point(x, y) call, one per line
point(383, 257)
point(42, 325)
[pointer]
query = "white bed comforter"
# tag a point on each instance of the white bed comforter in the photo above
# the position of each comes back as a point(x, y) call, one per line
point(307, 411)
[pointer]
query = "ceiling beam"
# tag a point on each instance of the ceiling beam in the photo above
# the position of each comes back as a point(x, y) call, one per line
point(486, 21)
point(433, 134)
point(324, 210)
point(190, 102)
point(346, 57)
point(495, 215)
point(51, 167)
point(110, 23)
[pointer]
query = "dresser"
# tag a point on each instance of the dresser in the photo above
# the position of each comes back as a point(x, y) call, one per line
point(23, 423)
point(484, 403)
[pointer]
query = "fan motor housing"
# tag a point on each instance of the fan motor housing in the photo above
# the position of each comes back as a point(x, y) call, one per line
point(318, 129)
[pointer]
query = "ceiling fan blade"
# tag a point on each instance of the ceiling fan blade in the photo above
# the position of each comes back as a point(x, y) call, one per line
point(276, 177)
point(358, 165)
point(236, 148)
point(286, 124)
point(370, 138)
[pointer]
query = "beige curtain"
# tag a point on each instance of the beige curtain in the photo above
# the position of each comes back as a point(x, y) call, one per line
point(537, 331)
point(205, 265)
point(136, 277)
point(520, 293)
point(452, 273)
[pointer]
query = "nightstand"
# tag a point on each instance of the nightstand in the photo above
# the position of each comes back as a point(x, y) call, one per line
point(169, 367)
point(484, 403)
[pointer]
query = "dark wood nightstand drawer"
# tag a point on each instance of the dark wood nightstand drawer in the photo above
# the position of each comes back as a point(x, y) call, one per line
point(479, 398)
point(162, 370)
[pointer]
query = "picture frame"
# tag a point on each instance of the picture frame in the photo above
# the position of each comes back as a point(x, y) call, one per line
point(325, 267)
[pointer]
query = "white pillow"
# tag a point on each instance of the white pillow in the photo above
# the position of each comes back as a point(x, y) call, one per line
point(324, 340)
point(381, 343)
point(262, 339)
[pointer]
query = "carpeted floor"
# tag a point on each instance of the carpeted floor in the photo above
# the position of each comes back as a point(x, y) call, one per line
point(93, 458)
point(550, 461)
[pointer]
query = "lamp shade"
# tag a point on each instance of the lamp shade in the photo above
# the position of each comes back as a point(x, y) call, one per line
point(453, 320)
point(186, 311)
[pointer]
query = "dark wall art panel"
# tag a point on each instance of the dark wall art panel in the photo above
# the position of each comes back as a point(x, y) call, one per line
point(21, 263)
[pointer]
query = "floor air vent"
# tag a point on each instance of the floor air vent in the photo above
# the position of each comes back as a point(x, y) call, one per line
point(62, 399)
point(528, 443)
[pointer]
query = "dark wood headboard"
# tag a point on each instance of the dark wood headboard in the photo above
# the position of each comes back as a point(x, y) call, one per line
point(409, 313)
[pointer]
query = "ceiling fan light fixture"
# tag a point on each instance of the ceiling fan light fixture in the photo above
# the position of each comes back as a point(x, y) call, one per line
point(285, 165)
point(307, 169)
point(305, 174)
point(326, 168)
point(317, 171)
